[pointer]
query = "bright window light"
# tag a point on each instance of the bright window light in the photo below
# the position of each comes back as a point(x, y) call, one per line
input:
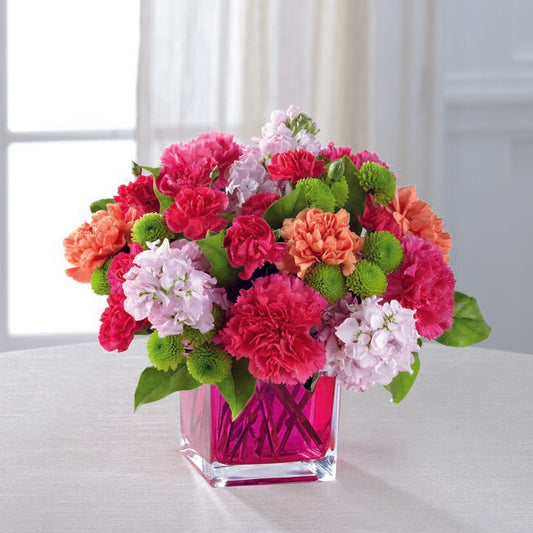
point(51, 186)
point(72, 64)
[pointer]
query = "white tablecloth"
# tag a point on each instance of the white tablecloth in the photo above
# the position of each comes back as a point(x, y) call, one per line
point(456, 455)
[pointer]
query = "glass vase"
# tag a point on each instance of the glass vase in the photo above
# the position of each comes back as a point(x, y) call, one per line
point(285, 433)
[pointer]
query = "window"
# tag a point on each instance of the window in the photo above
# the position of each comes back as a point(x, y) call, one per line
point(67, 134)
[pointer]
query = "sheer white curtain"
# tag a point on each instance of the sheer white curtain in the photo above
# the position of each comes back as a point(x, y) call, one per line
point(225, 64)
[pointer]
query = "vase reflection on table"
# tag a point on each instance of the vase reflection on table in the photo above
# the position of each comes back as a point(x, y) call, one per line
point(285, 433)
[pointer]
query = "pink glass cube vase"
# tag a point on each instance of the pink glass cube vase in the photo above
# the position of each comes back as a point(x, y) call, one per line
point(285, 433)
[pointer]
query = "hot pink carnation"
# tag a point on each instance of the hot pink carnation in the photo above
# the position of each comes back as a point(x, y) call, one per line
point(190, 164)
point(139, 194)
point(118, 327)
point(259, 203)
point(270, 325)
point(120, 265)
point(295, 165)
point(378, 218)
point(250, 242)
point(196, 211)
point(424, 283)
point(333, 152)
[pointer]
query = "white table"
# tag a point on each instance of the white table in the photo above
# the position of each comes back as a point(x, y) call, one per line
point(456, 455)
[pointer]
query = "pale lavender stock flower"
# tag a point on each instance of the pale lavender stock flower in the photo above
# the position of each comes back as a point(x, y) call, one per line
point(370, 345)
point(164, 286)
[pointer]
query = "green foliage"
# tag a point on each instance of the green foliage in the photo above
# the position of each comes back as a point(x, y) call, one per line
point(209, 363)
point(164, 201)
point(336, 170)
point(196, 338)
point(379, 181)
point(101, 205)
point(383, 249)
point(219, 316)
point(238, 387)
point(302, 122)
point(166, 352)
point(99, 282)
point(355, 204)
point(137, 169)
point(150, 228)
point(310, 384)
point(317, 194)
point(367, 280)
point(215, 253)
point(157, 384)
point(402, 383)
point(287, 207)
point(469, 326)
point(327, 280)
point(340, 192)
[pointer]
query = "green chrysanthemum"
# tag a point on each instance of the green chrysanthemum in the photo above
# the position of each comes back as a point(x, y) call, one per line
point(327, 280)
point(196, 337)
point(218, 316)
point(209, 363)
point(99, 282)
point(383, 249)
point(367, 280)
point(149, 228)
point(340, 192)
point(379, 181)
point(317, 194)
point(165, 352)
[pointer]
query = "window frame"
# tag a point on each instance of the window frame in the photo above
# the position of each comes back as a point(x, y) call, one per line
point(8, 341)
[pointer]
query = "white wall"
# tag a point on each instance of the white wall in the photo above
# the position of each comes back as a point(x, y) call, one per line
point(454, 94)
point(487, 164)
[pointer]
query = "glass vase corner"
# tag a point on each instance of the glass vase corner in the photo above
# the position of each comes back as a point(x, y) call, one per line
point(284, 434)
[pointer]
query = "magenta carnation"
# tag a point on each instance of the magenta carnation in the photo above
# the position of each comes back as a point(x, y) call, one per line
point(270, 324)
point(425, 284)
point(120, 265)
point(118, 327)
point(295, 165)
point(250, 242)
point(139, 194)
point(259, 203)
point(378, 218)
point(196, 211)
point(190, 164)
point(333, 152)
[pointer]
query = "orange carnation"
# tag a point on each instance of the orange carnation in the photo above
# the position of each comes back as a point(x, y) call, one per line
point(415, 217)
point(314, 236)
point(89, 246)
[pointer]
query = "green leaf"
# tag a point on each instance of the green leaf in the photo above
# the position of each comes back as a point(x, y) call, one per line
point(402, 383)
point(144, 331)
point(355, 205)
point(287, 207)
point(310, 384)
point(152, 170)
point(164, 201)
point(216, 254)
point(336, 170)
point(136, 169)
point(468, 326)
point(238, 387)
point(155, 384)
point(101, 205)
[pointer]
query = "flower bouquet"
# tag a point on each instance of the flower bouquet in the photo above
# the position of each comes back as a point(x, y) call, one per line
point(267, 276)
